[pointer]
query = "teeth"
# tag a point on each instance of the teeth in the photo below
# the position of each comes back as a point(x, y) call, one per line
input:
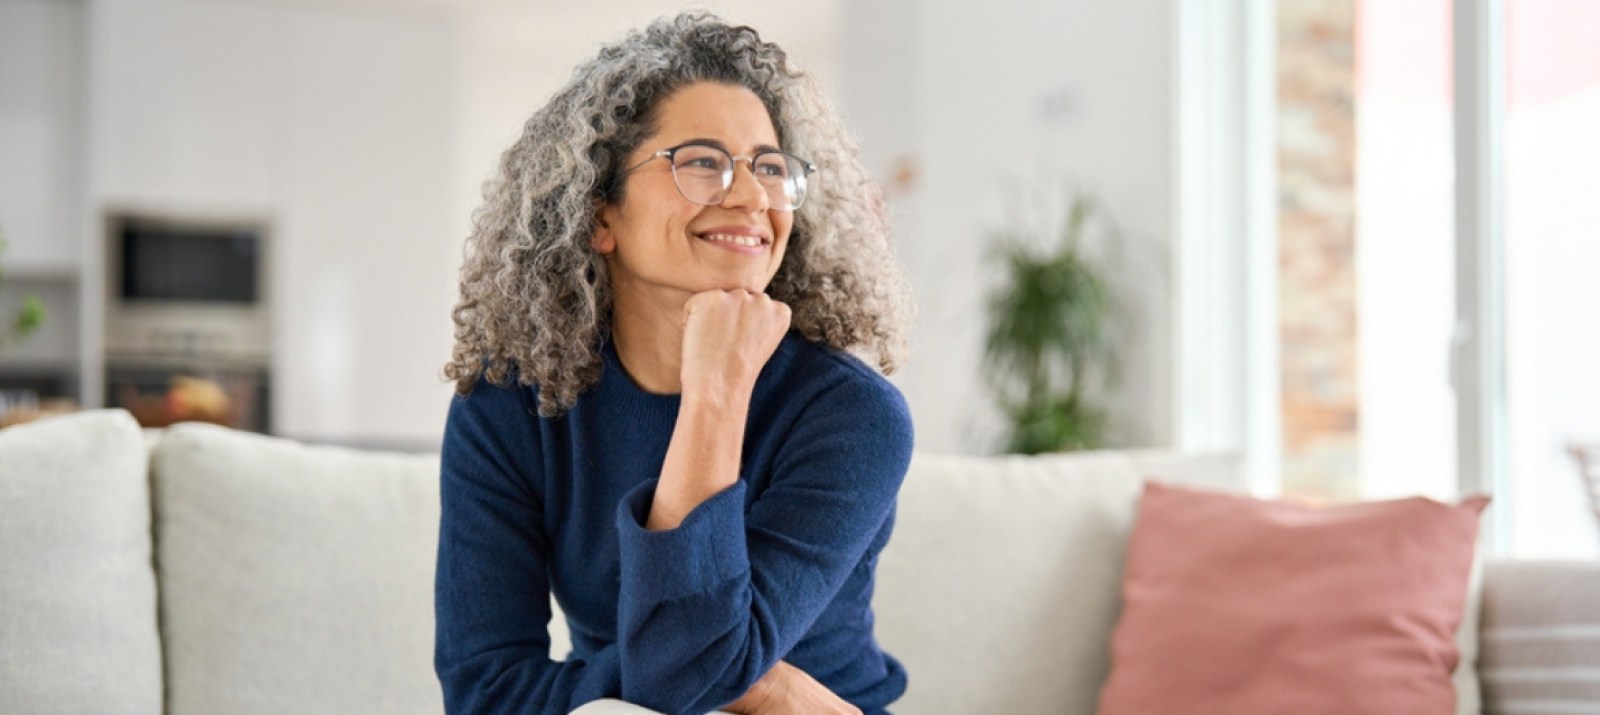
point(748, 241)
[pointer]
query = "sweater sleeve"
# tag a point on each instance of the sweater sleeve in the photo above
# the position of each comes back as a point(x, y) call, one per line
point(708, 608)
point(491, 588)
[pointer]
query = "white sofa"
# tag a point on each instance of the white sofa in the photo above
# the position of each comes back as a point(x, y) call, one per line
point(219, 572)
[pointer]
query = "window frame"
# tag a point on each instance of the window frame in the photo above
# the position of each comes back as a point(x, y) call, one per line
point(1227, 367)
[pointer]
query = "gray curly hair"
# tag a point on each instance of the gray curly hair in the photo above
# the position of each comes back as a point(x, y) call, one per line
point(535, 296)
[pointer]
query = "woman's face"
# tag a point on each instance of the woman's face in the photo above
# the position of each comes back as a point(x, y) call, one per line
point(660, 246)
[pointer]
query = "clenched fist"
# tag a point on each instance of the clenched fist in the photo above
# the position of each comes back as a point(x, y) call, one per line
point(728, 336)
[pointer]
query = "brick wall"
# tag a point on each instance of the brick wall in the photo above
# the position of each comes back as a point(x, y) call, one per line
point(1316, 247)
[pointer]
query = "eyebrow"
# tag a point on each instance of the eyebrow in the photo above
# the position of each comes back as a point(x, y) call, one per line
point(759, 148)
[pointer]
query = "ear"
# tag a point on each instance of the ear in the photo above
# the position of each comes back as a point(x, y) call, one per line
point(604, 240)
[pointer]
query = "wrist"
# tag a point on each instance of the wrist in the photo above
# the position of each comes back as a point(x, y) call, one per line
point(718, 399)
point(756, 699)
point(703, 458)
point(771, 686)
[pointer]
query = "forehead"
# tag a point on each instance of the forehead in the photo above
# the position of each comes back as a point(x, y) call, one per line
point(709, 110)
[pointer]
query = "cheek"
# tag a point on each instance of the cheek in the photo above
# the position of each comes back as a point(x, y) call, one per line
point(675, 219)
point(783, 224)
point(785, 227)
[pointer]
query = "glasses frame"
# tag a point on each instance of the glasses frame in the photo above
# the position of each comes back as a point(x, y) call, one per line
point(670, 153)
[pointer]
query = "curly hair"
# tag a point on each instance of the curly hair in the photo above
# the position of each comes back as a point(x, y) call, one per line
point(535, 296)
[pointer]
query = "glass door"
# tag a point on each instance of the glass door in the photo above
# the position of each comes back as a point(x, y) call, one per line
point(1552, 272)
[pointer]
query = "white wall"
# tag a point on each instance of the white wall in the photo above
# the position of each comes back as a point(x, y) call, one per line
point(991, 102)
point(336, 124)
point(40, 109)
point(41, 181)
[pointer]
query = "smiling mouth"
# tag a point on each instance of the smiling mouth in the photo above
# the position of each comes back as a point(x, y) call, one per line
point(734, 239)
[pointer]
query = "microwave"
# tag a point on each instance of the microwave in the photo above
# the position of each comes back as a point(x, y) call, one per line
point(186, 289)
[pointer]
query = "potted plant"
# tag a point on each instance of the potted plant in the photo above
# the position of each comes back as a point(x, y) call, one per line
point(28, 317)
point(14, 329)
point(1049, 351)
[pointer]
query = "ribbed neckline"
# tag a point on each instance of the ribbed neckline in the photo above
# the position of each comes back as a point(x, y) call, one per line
point(635, 401)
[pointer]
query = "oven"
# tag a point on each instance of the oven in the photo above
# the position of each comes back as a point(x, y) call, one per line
point(188, 319)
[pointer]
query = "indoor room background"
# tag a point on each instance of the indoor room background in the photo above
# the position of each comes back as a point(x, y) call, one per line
point(1274, 188)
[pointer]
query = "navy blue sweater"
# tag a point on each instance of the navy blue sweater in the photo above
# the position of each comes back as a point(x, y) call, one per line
point(777, 567)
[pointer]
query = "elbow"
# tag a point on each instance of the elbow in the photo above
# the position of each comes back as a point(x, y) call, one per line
point(481, 685)
point(465, 686)
point(488, 684)
point(697, 683)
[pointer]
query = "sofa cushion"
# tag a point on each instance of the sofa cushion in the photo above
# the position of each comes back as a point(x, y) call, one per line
point(77, 593)
point(295, 578)
point(1233, 604)
point(999, 588)
point(1541, 637)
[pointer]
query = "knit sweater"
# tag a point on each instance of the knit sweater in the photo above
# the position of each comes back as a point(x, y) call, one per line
point(777, 567)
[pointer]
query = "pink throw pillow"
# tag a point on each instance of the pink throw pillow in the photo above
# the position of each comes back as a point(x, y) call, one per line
point(1242, 606)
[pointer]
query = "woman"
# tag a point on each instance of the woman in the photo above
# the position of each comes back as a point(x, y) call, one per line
point(658, 420)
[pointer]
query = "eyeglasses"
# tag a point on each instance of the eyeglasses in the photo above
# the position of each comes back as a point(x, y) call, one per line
point(704, 174)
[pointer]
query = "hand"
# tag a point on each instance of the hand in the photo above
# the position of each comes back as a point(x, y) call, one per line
point(728, 336)
point(787, 690)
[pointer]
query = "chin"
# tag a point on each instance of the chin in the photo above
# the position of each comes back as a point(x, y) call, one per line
point(748, 286)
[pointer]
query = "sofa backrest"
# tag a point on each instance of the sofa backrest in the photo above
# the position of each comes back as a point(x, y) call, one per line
point(294, 578)
point(1000, 586)
point(77, 592)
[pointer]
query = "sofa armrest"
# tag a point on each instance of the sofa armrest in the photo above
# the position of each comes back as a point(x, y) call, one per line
point(618, 707)
point(1540, 636)
point(612, 707)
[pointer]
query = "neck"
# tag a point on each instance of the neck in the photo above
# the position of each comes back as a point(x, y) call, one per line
point(648, 334)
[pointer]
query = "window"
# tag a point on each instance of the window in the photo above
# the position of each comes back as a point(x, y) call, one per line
point(1419, 249)
point(1552, 270)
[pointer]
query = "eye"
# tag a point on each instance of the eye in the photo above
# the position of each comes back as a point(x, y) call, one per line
point(701, 162)
point(771, 167)
point(701, 158)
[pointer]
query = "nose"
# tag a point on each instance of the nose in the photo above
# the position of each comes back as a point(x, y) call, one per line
point(746, 192)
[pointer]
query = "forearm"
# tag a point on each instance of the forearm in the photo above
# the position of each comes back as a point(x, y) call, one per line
point(527, 682)
point(709, 607)
point(703, 457)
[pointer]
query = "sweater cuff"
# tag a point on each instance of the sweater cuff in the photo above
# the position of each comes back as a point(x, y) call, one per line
point(706, 550)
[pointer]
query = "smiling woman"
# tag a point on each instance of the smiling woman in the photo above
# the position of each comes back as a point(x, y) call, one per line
point(661, 418)
point(535, 295)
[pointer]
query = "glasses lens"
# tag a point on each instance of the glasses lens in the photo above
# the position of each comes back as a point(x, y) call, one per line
point(702, 172)
point(783, 176)
point(796, 184)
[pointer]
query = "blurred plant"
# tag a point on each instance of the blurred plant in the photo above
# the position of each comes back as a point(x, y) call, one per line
point(1049, 341)
point(28, 317)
